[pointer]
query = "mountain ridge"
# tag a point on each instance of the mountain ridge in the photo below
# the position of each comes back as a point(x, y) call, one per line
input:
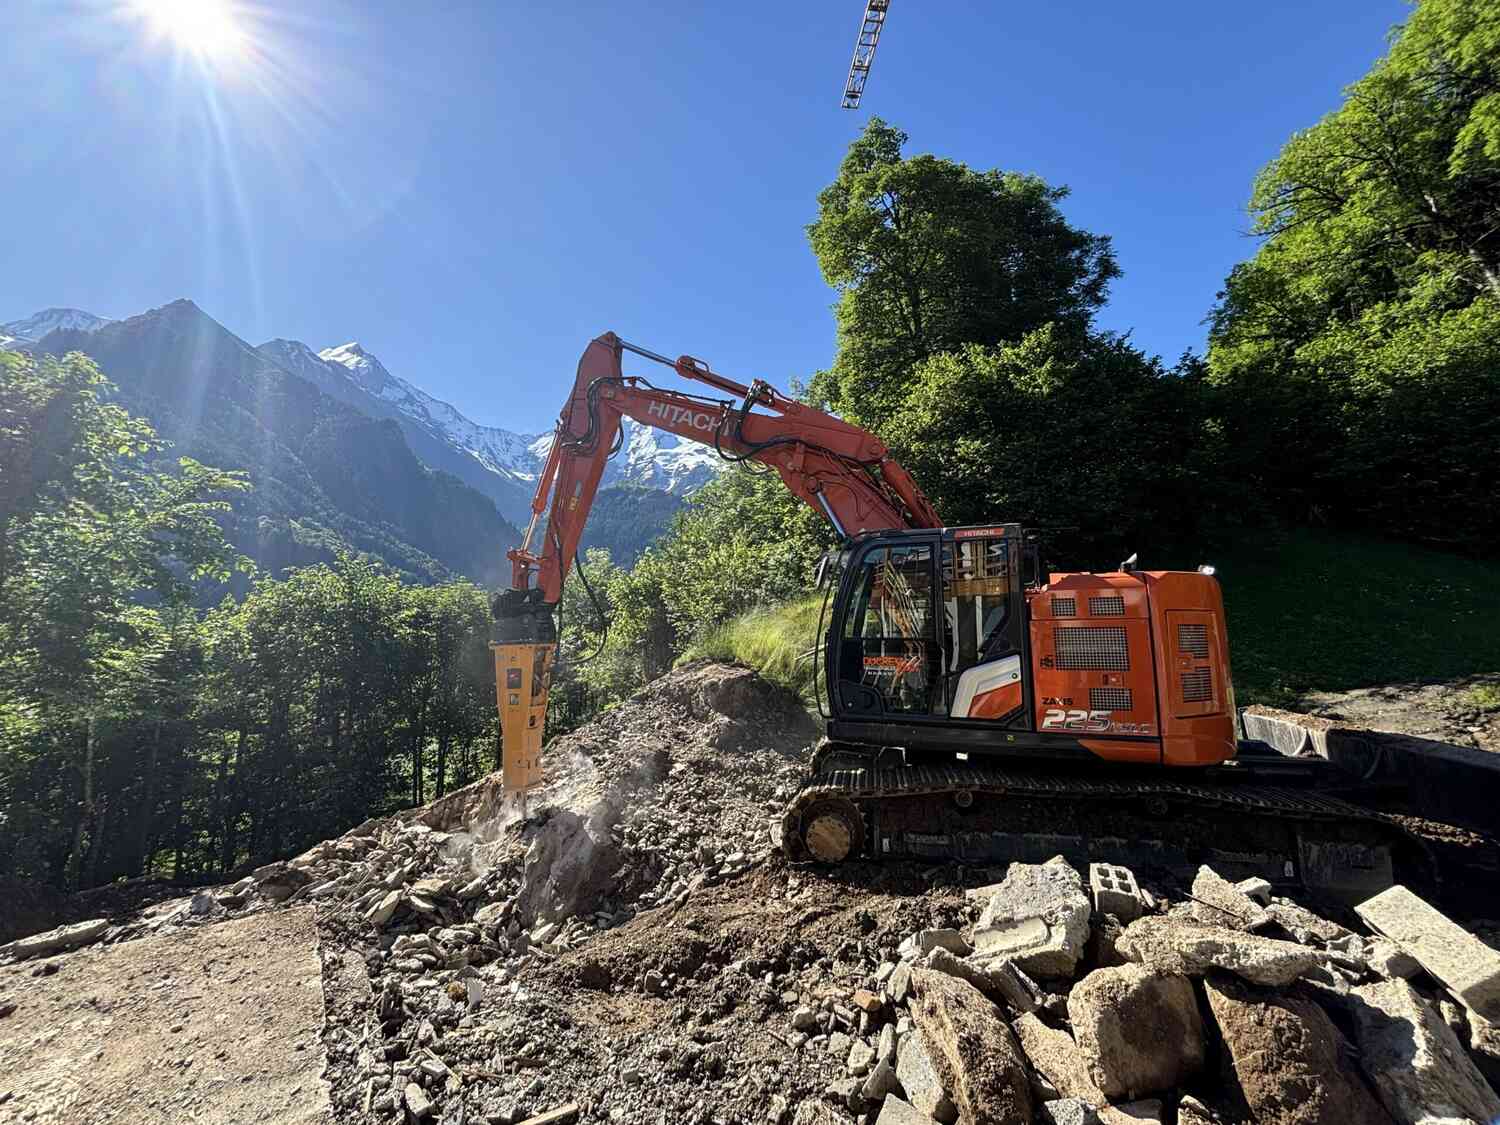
point(502, 464)
point(327, 476)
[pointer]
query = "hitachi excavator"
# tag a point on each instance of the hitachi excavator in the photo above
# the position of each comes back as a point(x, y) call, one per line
point(977, 708)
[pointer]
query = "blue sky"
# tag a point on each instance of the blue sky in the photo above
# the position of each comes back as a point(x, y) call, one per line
point(473, 190)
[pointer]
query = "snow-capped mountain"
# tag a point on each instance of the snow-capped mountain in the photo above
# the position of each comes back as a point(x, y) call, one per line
point(498, 450)
point(651, 457)
point(34, 327)
point(648, 456)
point(501, 463)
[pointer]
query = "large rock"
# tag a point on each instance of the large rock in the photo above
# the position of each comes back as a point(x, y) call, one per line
point(1038, 918)
point(384, 910)
point(894, 1111)
point(999, 980)
point(921, 1081)
point(1287, 1058)
point(1469, 968)
point(1418, 1067)
point(972, 1050)
point(1054, 1054)
point(1173, 945)
point(280, 881)
point(571, 862)
point(1069, 1111)
point(56, 941)
point(1484, 1048)
point(1138, 1028)
point(1218, 902)
point(924, 942)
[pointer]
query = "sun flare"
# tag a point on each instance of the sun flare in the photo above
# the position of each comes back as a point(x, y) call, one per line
point(212, 30)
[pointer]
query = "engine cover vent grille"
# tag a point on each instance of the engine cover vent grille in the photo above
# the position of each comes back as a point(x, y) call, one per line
point(1111, 699)
point(1110, 606)
point(1064, 607)
point(1197, 685)
point(1098, 648)
point(1193, 640)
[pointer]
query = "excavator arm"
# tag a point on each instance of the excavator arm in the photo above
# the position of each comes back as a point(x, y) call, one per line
point(842, 471)
point(845, 473)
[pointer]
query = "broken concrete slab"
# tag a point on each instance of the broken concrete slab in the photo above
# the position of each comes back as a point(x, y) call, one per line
point(1138, 1029)
point(1145, 1111)
point(1484, 1048)
point(919, 1078)
point(1172, 945)
point(1469, 968)
point(1056, 1056)
point(972, 1050)
point(1304, 925)
point(894, 1111)
point(924, 942)
point(1418, 1067)
point(1069, 1111)
point(1191, 1111)
point(56, 941)
point(1218, 902)
point(1287, 1058)
point(1256, 889)
point(1389, 960)
point(1114, 891)
point(1038, 918)
point(999, 980)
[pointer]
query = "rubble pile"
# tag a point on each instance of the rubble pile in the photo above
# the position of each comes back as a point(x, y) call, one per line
point(631, 950)
point(1227, 1006)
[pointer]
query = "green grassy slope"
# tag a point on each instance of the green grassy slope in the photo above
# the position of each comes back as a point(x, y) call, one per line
point(1316, 611)
point(772, 641)
point(1326, 611)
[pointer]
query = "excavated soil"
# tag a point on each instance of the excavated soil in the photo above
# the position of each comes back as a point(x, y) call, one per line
point(630, 950)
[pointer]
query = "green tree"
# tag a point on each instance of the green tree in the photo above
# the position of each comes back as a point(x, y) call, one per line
point(1358, 352)
point(94, 521)
point(1088, 439)
point(928, 255)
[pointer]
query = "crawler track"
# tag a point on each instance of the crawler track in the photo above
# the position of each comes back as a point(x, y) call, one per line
point(976, 813)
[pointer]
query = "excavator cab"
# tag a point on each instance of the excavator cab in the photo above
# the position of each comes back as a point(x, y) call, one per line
point(950, 641)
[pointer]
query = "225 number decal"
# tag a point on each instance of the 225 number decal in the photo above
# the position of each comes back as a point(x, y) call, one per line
point(1058, 719)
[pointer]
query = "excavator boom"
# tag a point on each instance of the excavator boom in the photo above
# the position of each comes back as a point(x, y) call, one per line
point(844, 472)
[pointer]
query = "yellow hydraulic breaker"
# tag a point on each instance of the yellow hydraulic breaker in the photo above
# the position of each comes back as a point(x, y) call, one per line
point(522, 675)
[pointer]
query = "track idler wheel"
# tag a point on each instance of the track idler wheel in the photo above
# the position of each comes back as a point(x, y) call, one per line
point(829, 830)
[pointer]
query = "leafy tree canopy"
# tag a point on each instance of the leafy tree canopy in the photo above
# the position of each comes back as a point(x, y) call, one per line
point(1358, 350)
point(928, 255)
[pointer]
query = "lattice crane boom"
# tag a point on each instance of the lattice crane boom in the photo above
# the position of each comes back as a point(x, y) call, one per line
point(864, 51)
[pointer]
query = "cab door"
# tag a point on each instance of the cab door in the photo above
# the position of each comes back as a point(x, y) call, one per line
point(984, 664)
point(888, 658)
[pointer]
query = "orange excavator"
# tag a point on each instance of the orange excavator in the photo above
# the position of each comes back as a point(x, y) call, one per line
point(977, 708)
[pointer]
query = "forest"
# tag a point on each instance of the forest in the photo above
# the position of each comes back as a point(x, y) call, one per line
point(1350, 385)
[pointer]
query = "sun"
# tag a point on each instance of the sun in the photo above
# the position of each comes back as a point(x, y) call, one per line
point(212, 30)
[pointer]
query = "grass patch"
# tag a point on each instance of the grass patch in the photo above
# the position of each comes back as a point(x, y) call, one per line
point(1314, 611)
point(1326, 611)
point(772, 641)
point(1484, 697)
